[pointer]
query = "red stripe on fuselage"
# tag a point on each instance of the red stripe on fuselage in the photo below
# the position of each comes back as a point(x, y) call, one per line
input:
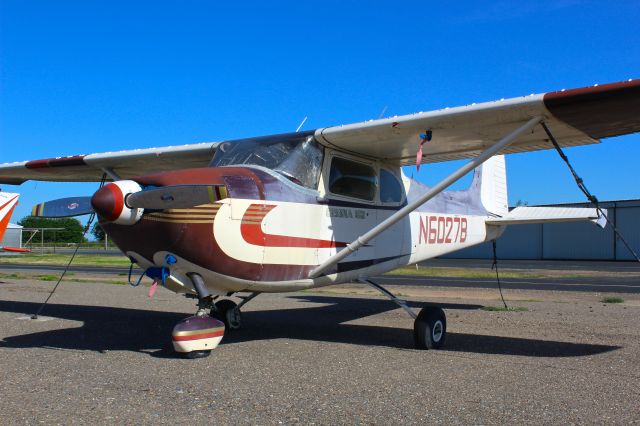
point(253, 234)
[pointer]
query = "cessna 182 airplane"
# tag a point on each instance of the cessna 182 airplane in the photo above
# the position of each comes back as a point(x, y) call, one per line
point(310, 209)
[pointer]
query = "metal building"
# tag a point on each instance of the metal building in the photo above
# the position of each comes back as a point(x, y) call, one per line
point(568, 240)
point(12, 236)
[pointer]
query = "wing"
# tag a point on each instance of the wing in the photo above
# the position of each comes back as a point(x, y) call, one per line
point(576, 117)
point(124, 164)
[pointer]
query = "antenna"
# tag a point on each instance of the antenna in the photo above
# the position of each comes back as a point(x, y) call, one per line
point(301, 124)
point(383, 111)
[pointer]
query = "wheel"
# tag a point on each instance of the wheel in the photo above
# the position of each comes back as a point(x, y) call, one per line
point(227, 311)
point(196, 354)
point(430, 329)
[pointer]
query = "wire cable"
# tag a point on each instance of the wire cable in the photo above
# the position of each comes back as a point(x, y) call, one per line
point(495, 266)
point(84, 232)
point(592, 198)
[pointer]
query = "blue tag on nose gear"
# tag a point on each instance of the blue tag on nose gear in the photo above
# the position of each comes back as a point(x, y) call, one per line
point(160, 274)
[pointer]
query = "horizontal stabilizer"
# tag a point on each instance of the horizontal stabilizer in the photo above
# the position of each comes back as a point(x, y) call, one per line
point(176, 197)
point(527, 215)
point(63, 207)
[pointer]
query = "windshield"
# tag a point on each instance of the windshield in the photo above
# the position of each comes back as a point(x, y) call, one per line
point(298, 157)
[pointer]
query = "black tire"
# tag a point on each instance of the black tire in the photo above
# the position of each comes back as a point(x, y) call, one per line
point(227, 311)
point(430, 328)
point(196, 354)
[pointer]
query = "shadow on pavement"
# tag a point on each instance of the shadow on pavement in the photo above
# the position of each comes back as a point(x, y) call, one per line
point(114, 329)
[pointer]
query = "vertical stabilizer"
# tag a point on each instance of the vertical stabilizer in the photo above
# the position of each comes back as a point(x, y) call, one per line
point(493, 186)
point(8, 202)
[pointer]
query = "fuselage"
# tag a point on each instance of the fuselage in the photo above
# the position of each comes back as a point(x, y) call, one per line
point(270, 232)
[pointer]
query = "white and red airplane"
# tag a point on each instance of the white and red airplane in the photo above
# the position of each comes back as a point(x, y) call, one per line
point(311, 209)
point(8, 203)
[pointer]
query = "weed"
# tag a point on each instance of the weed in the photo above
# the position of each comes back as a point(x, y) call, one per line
point(9, 276)
point(47, 277)
point(612, 299)
point(503, 309)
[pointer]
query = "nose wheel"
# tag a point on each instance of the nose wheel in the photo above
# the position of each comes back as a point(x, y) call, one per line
point(228, 312)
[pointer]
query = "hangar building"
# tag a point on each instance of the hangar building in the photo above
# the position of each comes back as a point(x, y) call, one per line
point(12, 237)
point(568, 240)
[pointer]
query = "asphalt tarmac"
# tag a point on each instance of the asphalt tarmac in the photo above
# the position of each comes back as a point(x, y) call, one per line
point(100, 353)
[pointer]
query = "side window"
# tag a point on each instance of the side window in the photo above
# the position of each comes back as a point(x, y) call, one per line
point(352, 179)
point(390, 187)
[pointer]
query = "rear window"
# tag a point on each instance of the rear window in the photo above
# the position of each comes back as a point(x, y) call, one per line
point(390, 187)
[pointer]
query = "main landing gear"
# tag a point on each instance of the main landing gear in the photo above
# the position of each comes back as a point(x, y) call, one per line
point(197, 335)
point(429, 326)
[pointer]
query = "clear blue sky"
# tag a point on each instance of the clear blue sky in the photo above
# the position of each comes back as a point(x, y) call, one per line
point(81, 77)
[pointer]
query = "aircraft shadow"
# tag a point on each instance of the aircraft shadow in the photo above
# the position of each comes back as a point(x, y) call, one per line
point(111, 329)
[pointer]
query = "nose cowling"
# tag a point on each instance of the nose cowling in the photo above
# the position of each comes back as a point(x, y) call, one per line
point(109, 202)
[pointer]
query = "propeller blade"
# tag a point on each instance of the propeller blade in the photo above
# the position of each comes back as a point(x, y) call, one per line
point(176, 197)
point(63, 207)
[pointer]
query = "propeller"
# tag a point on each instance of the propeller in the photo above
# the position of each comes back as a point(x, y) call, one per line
point(176, 197)
point(124, 201)
point(63, 207)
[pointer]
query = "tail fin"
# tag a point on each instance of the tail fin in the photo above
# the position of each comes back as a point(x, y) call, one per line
point(8, 202)
point(491, 177)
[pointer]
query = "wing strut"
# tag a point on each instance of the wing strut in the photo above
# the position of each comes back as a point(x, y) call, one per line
point(391, 220)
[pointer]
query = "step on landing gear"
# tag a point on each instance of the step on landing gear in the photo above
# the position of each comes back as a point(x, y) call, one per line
point(429, 326)
point(197, 335)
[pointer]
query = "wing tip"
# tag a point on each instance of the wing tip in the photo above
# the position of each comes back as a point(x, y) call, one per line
point(600, 111)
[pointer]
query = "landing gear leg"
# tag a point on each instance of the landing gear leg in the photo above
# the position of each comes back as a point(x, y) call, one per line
point(429, 326)
point(196, 336)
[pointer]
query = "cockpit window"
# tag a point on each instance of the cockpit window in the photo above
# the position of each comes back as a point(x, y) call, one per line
point(299, 160)
point(352, 179)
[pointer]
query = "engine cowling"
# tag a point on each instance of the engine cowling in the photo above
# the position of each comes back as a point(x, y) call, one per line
point(110, 202)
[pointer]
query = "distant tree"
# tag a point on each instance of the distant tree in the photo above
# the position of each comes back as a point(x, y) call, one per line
point(98, 233)
point(520, 203)
point(72, 232)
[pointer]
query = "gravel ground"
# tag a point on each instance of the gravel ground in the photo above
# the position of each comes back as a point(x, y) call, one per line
point(317, 358)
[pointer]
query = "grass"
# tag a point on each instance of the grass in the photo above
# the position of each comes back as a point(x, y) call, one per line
point(63, 259)
point(460, 273)
point(613, 299)
point(503, 309)
point(27, 276)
